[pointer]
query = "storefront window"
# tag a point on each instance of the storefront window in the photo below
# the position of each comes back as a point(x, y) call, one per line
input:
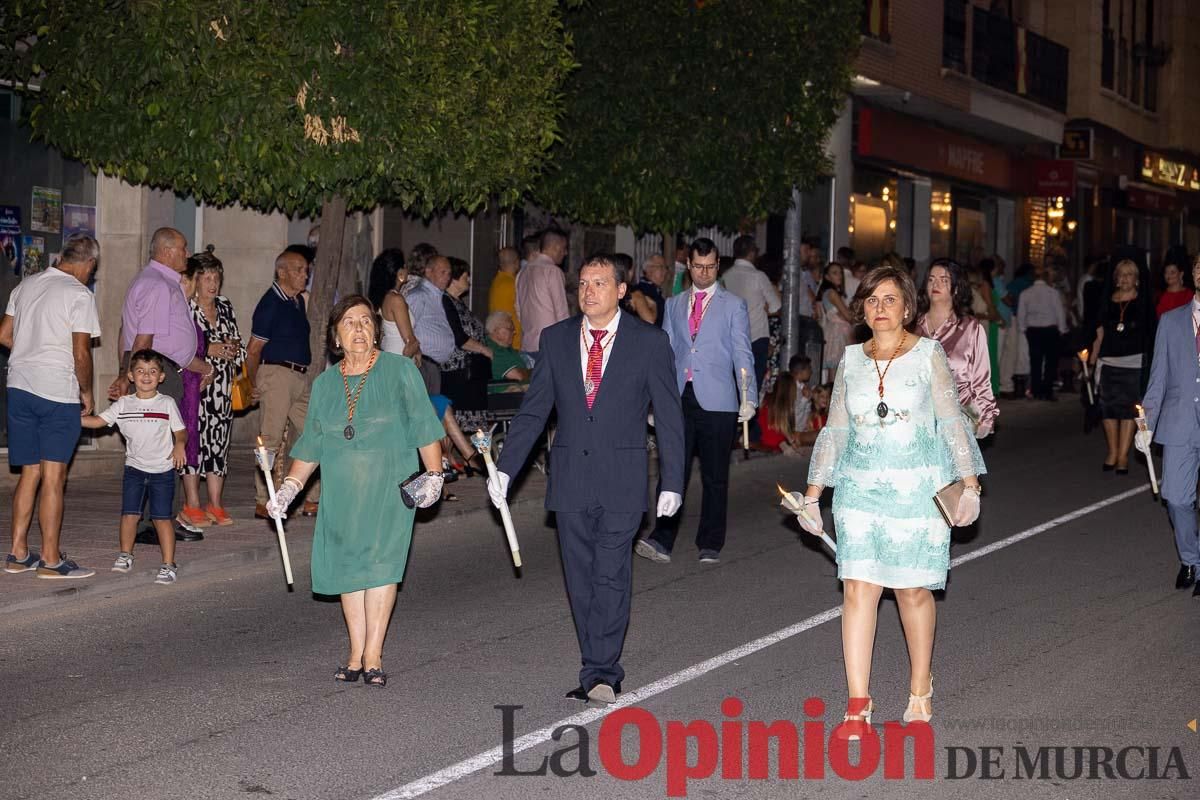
point(43, 198)
point(941, 208)
point(874, 208)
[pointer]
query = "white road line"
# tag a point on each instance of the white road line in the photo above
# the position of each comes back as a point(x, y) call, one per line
point(487, 758)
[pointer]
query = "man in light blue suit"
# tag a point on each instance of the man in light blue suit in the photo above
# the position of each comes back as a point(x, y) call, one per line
point(1172, 404)
point(709, 331)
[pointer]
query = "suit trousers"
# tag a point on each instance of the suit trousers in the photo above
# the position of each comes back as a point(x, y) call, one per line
point(283, 406)
point(1181, 464)
point(597, 548)
point(709, 435)
point(1043, 359)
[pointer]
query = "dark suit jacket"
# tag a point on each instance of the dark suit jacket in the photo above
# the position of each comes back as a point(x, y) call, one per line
point(599, 454)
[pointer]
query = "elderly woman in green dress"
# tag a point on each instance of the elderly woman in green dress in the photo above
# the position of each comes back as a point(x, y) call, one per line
point(896, 435)
point(368, 419)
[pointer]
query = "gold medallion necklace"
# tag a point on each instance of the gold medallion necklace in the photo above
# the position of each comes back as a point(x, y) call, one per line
point(882, 408)
point(352, 401)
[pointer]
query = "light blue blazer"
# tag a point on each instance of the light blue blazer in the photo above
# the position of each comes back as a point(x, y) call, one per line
point(1172, 399)
point(720, 352)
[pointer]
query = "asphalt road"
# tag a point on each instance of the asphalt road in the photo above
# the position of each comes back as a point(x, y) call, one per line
point(221, 687)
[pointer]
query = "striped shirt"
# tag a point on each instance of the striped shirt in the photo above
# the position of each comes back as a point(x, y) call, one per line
point(429, 321)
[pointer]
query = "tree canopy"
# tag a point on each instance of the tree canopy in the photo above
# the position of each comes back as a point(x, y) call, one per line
point(284, 104)
point(684, 114)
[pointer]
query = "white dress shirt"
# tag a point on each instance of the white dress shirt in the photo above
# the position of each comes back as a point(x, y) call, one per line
point(1040, 306)
point(753, 286)
point(606, 342)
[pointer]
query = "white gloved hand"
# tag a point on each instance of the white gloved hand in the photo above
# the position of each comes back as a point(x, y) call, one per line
point(746, 412)
point(968, 509)
point(1142, 440)
point(498, 489)
point(668, 503)
point(983, 430)
point(285, 495)
point(810, 515)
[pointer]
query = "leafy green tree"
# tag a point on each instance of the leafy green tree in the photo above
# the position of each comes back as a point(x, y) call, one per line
point(685, 114)
point(303, 106)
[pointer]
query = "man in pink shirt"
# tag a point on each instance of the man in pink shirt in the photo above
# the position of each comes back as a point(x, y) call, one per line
point(541, 290)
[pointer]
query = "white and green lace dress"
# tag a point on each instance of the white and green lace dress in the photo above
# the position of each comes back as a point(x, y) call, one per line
point(885, 471)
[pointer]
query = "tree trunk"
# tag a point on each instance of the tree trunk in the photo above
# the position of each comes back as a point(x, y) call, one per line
point(326, 276)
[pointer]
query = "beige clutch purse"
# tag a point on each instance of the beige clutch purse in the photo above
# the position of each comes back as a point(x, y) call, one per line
point(947, 499)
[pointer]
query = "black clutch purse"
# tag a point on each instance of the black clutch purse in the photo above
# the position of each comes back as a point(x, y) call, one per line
point(415, 487)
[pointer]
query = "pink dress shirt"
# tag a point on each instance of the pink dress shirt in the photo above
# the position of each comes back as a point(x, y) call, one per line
point(541, 300)
point(965, 341)
point(155, 305)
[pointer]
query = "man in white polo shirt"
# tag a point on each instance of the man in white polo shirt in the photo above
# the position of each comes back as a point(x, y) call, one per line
point(49, 326)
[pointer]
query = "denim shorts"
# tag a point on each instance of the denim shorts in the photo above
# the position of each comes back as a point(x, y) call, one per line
point(40, 429)
point(159, 487)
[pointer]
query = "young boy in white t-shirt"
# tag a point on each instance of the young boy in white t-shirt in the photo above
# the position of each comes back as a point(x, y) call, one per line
point(154, 448)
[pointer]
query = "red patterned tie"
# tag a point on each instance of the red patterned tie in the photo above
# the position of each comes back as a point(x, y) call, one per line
point(595, 364)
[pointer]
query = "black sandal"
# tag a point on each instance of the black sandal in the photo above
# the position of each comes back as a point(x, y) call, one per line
point(347, 675)
point(375, 677)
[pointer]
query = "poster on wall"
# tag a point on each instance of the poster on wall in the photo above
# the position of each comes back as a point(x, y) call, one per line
point(46, 210)
point(10, 236)
point(34, 248)
point(78, 219)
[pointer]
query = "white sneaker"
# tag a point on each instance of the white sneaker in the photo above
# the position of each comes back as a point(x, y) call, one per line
point(124, 563)
point(166, 574)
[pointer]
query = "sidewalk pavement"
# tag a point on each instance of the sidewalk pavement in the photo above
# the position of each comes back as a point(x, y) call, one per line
point(93, 508)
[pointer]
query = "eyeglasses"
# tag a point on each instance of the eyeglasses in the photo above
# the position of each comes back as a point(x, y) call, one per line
point(889, 301)
point(704, 267)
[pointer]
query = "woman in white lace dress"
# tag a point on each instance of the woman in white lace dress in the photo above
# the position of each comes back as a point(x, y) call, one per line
point(894, 437)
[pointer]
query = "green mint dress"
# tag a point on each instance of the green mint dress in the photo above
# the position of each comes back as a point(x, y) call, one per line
point(363, 528)
point(886, 471)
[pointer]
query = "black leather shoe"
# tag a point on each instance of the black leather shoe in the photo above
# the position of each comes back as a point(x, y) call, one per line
point(1196, 591)
point(579, 693)
point(1186, 577)
point(1108, 467)
point(147, 535)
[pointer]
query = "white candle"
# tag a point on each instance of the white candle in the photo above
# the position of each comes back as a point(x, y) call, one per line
point(1087, 381)
point(266, 462)
point(745, 423)
point(799, 509)
point(483, 443)
point(1141, 424)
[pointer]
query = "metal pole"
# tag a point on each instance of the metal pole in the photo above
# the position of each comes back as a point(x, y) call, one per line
point(791, 279)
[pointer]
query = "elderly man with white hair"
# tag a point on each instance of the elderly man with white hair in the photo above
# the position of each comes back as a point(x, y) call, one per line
point(646, 298)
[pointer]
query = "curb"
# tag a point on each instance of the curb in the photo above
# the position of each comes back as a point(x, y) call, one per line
point(85, 590)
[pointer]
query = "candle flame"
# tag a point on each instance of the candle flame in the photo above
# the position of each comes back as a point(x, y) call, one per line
point(1083, 354)
point(1139, 409)
point(260, 444)
point(782, 490)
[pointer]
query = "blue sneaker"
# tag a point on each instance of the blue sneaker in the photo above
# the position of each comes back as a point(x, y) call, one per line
point(63, 569)
point(15, 566)
point(710, 557)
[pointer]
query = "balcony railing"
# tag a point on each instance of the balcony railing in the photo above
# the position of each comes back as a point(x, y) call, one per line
point(1017, 60)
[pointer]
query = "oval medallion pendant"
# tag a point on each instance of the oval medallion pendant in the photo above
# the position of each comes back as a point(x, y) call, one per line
point(881, 409)
point(349, 432)
point(1120, 327)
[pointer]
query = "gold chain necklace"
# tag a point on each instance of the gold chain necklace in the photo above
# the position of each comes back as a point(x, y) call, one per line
point(882, 408)
point(352, 402)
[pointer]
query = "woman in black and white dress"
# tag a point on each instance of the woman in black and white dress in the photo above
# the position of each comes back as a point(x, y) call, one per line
point(214, 314)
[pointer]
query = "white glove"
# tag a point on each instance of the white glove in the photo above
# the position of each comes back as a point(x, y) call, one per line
point(746, 412)
point(498, 488)
point(285, 495)
point(810, 516)
point(983, 430)
point(1142, 440)
point(668, 503)
point(968, 509)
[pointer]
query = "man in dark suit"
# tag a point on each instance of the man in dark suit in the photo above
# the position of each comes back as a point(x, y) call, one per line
point(602, 371)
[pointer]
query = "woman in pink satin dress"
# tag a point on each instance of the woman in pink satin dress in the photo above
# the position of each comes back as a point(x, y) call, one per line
point(944, 313)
